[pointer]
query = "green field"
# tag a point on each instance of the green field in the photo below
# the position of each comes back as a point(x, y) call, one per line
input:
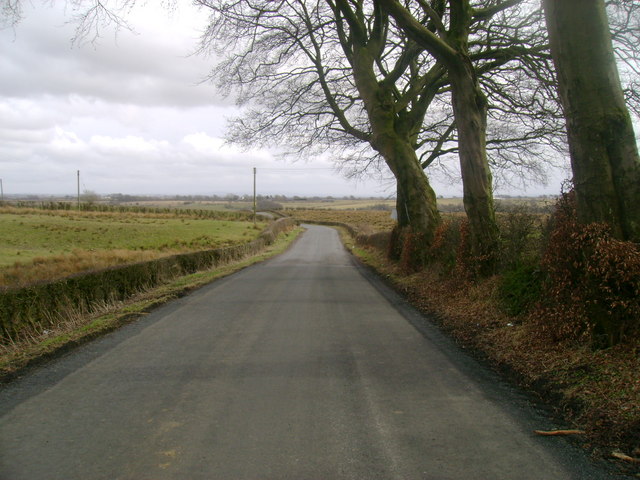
point(33, 240)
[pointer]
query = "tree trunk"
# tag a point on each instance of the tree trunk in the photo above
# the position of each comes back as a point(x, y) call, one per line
point(401, 210)
point(604, 154)
point(417, 206)
point(470, 111)
point(416, 202)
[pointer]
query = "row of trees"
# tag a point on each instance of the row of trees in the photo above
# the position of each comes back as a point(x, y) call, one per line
point(414, 80)
point(411, 83)
point(321, 74)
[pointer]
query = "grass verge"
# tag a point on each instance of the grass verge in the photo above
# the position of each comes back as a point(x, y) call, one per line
point(78, 329)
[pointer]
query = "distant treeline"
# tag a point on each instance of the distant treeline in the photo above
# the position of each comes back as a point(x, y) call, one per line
point(126, 198)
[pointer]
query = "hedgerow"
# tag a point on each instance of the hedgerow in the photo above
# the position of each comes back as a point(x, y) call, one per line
point(35, 307)
point(592, 289)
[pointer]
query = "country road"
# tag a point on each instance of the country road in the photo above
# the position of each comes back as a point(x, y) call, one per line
point(303, 367)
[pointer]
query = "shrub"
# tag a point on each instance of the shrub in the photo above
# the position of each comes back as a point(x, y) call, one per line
point(379, 240)
point(408, 248)
point(443, 251)
point(593, 281)
point(412, 255)
point(520, 289)
point(467, 264)
point(520, 236)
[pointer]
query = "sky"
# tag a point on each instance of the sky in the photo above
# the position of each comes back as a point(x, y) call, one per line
point(131, 113)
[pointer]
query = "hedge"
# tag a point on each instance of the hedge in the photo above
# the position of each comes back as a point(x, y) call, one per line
point(40, 305)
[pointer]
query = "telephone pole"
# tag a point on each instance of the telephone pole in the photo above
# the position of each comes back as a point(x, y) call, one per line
point(254, 196)
point(1, 192)
point(78, 190)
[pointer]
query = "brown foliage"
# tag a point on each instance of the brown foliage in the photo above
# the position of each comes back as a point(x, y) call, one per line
point(593, 281)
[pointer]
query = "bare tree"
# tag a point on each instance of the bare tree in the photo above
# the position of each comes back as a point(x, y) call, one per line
point(324, 73)
point(446, 29)
point(509, 52)
point(331, 73)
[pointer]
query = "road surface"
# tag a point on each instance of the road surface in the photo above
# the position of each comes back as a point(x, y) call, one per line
point(299, 368)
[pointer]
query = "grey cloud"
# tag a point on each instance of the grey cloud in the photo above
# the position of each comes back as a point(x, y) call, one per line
point(128, 114)
point(151, 68)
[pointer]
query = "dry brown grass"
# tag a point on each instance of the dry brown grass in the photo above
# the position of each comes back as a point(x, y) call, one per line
point(43, 269)
point(364, 221)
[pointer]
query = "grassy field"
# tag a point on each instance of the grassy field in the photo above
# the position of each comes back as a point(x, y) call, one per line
point(342, 204)
point(366, 221)
point(219, 205)
point(33, 243)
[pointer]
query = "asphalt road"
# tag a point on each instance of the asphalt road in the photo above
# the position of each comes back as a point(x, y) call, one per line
point(299, 368)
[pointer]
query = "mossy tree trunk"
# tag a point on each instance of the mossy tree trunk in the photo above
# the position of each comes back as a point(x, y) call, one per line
point(470, 112)
point(391, 136)
point(604, 154)
point(416, 201)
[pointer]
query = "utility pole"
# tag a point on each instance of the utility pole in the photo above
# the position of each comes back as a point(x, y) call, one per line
point(1, 192)
point(254, 196)
point(78, 190)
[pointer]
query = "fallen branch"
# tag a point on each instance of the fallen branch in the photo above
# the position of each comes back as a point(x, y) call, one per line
point(551, 433)
point(626, 458)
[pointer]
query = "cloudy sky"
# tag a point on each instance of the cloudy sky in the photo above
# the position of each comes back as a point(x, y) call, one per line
point(132, 114)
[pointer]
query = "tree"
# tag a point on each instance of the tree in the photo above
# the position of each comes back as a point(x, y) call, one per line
point(339, 73)
point(448, 42)
point(328, 75)
point(90, 197)
point(604, 154)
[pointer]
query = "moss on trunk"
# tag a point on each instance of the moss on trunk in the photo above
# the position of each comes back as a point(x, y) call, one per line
point(604, 154)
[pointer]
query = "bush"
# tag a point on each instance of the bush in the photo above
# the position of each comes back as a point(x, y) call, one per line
point(408, 248)
point(520, 289)
point(593, 281)
point(379, 240)
point(412, 255)
point(444, 249)
point(520, 236)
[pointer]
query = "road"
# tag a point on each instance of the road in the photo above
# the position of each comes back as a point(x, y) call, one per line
point(303, 367)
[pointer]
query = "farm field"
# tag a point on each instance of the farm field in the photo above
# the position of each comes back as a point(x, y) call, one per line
point(216, 205)
point(444, 204)
point(39, 245)
point(341, 204)
point(222, 205)
point(366, 221)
